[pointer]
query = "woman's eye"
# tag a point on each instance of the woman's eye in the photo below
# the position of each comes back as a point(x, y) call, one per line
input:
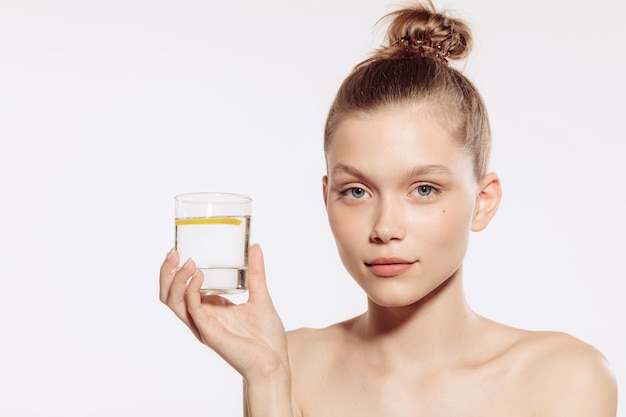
point(425, 190)
point(355, 192)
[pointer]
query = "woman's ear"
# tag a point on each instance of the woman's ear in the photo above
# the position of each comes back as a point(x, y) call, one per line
point(325, 189)
point(487, 201)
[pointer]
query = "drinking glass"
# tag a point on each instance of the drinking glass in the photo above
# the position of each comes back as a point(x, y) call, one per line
point(213, 229)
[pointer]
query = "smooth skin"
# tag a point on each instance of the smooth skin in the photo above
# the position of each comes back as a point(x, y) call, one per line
point(402, 200)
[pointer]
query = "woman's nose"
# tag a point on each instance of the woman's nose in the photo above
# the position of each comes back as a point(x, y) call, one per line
point(389, 221)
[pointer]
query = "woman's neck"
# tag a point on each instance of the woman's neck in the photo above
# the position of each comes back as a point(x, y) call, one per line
point(438, 329)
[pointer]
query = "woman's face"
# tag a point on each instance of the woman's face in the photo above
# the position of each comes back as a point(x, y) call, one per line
point(401, 196)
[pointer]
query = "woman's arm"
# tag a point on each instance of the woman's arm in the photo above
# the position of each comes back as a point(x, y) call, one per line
point(267, 399)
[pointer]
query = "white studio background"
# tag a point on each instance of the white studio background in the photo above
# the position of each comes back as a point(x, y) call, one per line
point(108, 109)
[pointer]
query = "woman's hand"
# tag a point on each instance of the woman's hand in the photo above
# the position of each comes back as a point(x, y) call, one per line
point(249, 336)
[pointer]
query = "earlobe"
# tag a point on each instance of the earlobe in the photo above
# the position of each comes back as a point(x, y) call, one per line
point(487, 201)
point(325, 189)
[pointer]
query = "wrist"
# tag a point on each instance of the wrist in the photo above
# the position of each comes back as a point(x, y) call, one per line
point(268, 396)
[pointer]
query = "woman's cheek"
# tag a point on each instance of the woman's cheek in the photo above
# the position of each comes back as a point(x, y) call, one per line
point(348, 227)
point(453, 227)
point(340, 223)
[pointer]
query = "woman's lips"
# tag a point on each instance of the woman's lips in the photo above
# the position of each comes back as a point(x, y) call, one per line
point(388, 267)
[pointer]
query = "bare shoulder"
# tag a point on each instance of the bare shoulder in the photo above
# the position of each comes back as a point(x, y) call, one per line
point(306, 342)
point(565, 375)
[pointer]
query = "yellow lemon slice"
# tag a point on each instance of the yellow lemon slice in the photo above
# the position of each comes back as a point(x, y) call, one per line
point(208, 220)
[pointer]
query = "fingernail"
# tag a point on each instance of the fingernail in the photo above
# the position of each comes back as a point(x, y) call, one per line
point(186, 264)
point(169, 254)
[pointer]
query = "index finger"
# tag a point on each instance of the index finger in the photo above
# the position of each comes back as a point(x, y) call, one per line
point(168, 268)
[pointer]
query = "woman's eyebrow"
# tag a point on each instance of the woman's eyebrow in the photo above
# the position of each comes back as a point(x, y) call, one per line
point(347, 169)
point(428, 169)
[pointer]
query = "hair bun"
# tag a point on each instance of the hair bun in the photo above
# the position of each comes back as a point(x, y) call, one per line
point(422, 30)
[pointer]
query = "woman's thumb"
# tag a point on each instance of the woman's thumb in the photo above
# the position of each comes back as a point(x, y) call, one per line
point(257, 285)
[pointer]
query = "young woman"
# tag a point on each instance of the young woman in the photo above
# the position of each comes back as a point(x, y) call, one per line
point(407, 146)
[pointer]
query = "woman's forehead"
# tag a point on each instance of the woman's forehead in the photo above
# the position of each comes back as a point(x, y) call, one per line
point(394, 143)
point(386, 133)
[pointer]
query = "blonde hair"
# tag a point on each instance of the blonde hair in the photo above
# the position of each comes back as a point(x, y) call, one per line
point(412, 69)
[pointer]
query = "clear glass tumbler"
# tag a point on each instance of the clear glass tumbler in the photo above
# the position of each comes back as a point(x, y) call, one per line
point(213, 229)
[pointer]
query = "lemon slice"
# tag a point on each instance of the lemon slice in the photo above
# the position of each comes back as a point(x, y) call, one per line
point(208, 220)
